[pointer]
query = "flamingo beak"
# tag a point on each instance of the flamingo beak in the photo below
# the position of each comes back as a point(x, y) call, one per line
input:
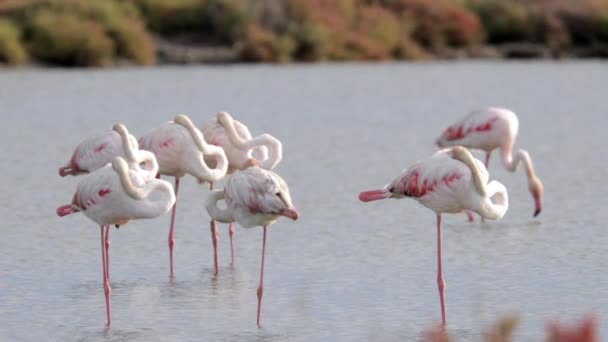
point(373, 195)
point(291, 213)
point(538, 206)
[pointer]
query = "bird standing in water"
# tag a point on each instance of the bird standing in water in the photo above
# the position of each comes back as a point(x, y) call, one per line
point(180, 149)
point(450, 181)
point(109, 196)
point(236, 141)
point(489, 129)
point(254, 197)
point(98, 151)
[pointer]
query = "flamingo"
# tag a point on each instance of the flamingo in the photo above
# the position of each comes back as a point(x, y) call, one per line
point(488, 129)
point(109, 196)
point(450, 181)
point(180, 149)
point(235, 138)
point(98, 151)
point(254, 197)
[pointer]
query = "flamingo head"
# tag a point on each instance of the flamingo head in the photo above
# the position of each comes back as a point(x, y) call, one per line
point(282, 199)
point(268, 193)
point(536, 189)
point(224, 118)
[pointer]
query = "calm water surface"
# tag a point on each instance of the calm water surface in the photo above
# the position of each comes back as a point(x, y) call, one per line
point(346, 270)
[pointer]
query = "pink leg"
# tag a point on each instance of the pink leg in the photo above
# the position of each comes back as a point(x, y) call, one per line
point(487, 163)
point(107, 246)
point(470, 215)
point(440, 282)
point(211, 186)
point(215, 238)
point(231, 232)
point(106, 283)
point(171, 236)
point(261, 287)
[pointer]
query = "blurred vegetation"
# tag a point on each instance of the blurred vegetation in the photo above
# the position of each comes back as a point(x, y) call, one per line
point(104, 32)
point(11, 48)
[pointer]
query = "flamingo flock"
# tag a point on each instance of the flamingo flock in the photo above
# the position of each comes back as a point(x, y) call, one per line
point(122, 181)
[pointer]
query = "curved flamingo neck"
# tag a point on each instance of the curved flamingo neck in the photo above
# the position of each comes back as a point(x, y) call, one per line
point(199, 168)
point(511, 162)
point(128, 149)
point(462, 154)
point(497, 209)
point(221, 215)
point(274, 146)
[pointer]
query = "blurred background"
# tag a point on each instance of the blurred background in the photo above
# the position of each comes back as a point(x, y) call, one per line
point(345, 270)
point(143, 32)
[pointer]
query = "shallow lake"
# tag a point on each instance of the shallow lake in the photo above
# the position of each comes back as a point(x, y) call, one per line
point(346, 270)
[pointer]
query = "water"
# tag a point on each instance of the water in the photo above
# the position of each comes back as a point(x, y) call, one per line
point(346, 270)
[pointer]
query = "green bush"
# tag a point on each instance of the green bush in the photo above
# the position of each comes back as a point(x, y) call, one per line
point(133, 41)
point(173, 17)
point(504, 21)
point(223, 20)
point(11, 49)
point(260, 45)
point(311, 41)
point(66, 39)
point(119, 20)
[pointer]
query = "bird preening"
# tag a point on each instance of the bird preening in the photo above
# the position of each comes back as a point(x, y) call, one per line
point(489, 129)
point(450, 181)
point(122, 181)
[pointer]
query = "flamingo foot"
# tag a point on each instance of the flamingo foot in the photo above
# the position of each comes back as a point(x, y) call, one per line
point(260, 295)
point(108, 291)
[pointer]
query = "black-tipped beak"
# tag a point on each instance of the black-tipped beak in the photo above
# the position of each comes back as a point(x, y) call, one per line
point(536, 212)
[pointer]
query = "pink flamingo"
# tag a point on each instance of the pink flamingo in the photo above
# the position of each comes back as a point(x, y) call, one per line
point(180, 149)
point(109, 196)
point(98, 151)
point(450, 181)
point(254, 197)
point(488, 129)
point(236, 141)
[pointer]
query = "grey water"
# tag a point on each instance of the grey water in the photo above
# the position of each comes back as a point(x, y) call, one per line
point(347, 270)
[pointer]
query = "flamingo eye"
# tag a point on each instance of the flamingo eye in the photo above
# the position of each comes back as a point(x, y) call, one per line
point(278, 194)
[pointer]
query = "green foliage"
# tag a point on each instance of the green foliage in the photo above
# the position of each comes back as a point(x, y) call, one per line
point(118, 21)
point(11, 49)
point(132, 41)
point(504, 21)
point(97, 32)
point(67, 39)
point(311, 41)
point(264, 46)
point(173, 17)
point(223, 20)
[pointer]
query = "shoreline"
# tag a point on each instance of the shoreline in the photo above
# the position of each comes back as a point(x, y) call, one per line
point(170, 53)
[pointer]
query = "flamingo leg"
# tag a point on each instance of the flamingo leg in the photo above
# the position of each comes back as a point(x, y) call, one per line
point(215, 238)
point(261, 287)
point(231, 232)
point(470, 215)
point(171, 236)
point(487, 164)
point(440, 281)
point(107, 247)
point(106, 284)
